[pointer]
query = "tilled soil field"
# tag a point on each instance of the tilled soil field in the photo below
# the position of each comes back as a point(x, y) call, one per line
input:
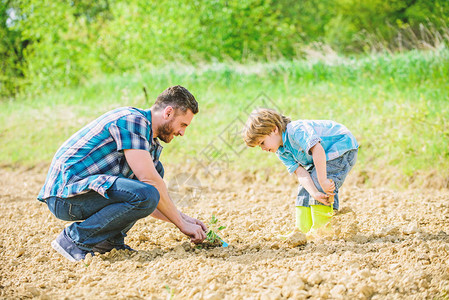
point(386, 245)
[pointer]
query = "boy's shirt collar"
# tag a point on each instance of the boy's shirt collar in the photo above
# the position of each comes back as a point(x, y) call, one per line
point(281, 149)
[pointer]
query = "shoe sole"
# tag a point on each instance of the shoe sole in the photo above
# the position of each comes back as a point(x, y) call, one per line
point(61, 251)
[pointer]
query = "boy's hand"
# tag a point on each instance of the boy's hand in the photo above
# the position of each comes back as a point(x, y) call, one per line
point(323, 198)
point(328, 187)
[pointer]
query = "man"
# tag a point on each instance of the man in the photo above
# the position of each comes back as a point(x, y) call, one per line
point(109, 175)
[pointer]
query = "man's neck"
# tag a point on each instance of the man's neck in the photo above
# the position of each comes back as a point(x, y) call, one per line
point(155, 121)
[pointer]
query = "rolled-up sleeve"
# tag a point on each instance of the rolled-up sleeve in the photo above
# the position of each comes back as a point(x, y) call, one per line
point(306, 138)
point(288, 160)
point(131, 132)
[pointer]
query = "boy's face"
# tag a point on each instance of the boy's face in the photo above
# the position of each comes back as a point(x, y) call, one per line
point(272, 142)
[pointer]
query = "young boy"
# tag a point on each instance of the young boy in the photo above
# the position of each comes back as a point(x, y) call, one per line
point(320, 153)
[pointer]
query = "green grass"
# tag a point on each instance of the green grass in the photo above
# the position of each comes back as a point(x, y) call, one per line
point(397, 105)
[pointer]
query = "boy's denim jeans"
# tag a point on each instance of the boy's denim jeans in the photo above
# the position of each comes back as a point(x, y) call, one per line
point(337, 170)
point(106, 219)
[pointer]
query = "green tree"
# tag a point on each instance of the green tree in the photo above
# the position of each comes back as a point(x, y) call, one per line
point(11, 49)
point(46, 44)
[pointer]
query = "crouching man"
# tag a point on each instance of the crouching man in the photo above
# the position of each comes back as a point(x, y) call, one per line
point(108, 175)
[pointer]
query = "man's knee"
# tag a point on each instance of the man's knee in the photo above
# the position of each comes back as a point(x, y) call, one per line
point(147, 198)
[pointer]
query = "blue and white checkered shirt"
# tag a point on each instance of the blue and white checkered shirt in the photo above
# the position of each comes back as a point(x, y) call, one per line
point(300, 136)
point(93, 158)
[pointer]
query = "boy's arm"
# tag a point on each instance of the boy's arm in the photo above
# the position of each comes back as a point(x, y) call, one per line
point(306, 181)
point(319, 160)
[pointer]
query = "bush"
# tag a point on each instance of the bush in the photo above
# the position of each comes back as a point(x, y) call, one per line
point(46, 44)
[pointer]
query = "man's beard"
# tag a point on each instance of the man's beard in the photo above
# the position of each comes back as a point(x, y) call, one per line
point(165, 131)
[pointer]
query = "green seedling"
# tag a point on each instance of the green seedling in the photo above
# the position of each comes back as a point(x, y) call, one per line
point(170, 291)
point(212, 237)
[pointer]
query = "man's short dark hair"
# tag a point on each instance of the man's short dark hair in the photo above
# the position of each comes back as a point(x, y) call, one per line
point(178, 97)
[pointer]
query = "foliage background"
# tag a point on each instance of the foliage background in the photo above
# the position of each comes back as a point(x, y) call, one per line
point(379, 67)
point(47, 44)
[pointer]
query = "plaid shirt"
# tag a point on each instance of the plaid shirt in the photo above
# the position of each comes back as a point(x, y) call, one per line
point(93, 158)
point(300, 136)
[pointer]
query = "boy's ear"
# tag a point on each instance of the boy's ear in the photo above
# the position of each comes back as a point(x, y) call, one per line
point(276, 130)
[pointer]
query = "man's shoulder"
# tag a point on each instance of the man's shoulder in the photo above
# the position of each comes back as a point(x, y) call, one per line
point(127, 112)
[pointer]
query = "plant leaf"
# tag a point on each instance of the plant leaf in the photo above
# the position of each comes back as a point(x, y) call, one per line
point(213, 220)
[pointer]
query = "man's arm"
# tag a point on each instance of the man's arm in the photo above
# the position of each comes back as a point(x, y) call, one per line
point(141, 164)
point(319, 160)
point(306, 181)
point(158, 215)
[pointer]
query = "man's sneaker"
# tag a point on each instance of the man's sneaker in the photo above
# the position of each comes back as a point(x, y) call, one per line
point(106, 246)
point(65, 246)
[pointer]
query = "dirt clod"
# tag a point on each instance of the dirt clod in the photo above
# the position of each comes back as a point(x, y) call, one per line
point(296, 238)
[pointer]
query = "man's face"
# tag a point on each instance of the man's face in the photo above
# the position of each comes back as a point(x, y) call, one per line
point(176, 122)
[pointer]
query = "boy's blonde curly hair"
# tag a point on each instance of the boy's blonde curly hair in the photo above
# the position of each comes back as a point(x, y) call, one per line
point(261, 122)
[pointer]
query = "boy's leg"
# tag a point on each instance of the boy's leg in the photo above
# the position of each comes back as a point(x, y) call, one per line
point(303, 218)
point(317, 214)
point(321, 215)
point(337, 170)
point(303, 213)
point(129, 200)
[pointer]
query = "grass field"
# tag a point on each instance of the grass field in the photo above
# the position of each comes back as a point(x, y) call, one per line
point(390, 237)
point(395, 104)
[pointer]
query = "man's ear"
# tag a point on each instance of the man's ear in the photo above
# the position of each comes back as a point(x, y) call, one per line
point(168, 112)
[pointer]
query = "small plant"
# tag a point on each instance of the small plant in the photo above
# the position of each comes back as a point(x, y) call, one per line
point(212, 238)
point(170, 291)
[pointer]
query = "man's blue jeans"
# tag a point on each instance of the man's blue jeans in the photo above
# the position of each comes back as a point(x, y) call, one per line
point(106, 219)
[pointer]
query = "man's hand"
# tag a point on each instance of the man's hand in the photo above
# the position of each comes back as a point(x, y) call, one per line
point(323, 198)
point(193, 221)
point(195, 232)
point(328, 186)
